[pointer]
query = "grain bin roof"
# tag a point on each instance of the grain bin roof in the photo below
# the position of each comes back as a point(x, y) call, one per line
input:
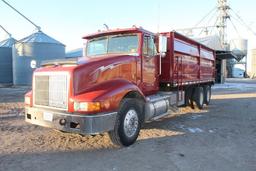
point(40, 37)
point(211, 41)
point(8, 42)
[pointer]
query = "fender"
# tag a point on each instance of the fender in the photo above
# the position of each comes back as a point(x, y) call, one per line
point(109, 93)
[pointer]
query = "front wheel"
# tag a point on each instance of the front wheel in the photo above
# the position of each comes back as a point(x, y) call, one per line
point(128, 123)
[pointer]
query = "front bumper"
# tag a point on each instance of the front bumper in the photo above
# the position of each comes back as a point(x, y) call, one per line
point(67, 122)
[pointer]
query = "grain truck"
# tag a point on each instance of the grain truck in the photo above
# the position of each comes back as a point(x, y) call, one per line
point(126, 77)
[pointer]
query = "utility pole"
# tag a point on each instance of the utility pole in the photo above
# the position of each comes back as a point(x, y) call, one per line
point(223, 10)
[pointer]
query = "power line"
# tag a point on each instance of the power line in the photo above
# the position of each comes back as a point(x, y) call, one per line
point(235, 27)
point(9, 34)
point(205, 16)
point(243, 23)
point(209, 15)
point(210, 19)
point(193, 28)
point(37, 27)
point(215, 24)
point(186, 31)
point(208, 23)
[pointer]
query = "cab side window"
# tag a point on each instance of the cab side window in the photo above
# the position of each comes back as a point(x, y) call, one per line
point(149, 48)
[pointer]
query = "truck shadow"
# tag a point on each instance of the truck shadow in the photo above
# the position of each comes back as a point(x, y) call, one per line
point(212, 119)
point(168, 140)
point(199, 128)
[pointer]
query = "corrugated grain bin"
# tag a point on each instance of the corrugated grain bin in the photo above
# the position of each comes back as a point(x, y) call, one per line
point(6, 61)
point(253, 64)
point(36, 47)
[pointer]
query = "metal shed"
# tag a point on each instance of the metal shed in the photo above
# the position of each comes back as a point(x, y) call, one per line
point(36, 47)
point(6, 61)
point(75, 53)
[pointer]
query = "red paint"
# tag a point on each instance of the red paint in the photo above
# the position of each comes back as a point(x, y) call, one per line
point(30, 95)
point(187, 61)
point(107, 79)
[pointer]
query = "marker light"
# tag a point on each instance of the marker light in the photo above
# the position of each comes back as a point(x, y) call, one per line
point(27, 100)
point(87, 106)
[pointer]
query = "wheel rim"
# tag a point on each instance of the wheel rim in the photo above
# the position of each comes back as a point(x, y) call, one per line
point(208, 96)
point(131, 123)
point(201, 100)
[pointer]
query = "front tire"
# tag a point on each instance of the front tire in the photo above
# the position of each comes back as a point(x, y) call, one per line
point(128, 123)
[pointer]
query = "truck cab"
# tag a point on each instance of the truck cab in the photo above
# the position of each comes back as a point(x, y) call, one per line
point(115, 87)
point(138, 46)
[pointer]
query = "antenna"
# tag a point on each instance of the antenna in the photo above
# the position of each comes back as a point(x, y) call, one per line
point(9, 34)
point(106, 26)
point(37, 27)
point(158, 17)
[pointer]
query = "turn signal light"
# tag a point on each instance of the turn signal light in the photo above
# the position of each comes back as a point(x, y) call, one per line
point(87, 106)
point(27, 100)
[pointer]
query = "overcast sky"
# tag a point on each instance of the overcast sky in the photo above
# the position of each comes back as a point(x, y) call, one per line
point(68, 20)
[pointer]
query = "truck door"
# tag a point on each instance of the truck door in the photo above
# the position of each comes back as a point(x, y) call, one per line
point(149, 65)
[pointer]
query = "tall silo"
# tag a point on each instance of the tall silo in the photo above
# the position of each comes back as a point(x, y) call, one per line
point(253, 64)
point(239, 47)
point(6, 61)
point(36, 47)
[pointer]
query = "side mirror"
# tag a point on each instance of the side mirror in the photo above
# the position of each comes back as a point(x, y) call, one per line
point(33, 64)
point(162, 45)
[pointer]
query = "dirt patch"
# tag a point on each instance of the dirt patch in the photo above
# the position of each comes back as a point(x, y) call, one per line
point(220, 137)
point(12, 100)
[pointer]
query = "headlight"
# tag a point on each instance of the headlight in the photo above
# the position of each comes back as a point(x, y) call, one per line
point(27, 100)
point(87, 106)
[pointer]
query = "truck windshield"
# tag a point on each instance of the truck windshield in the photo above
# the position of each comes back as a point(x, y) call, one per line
point(123, 43)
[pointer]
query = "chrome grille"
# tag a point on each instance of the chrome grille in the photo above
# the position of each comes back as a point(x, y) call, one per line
point(51, 90)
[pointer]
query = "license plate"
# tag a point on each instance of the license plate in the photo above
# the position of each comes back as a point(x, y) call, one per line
point(47, 116)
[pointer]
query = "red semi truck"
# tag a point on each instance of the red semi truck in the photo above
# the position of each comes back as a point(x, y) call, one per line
point(126, 78)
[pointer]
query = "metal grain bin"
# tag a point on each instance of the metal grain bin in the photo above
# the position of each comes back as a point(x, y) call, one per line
point(36, 47)
point(253, 63)
point(6, 61)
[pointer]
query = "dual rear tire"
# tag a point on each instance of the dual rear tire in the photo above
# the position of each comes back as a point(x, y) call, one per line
point(200, 96)
point(207, 94)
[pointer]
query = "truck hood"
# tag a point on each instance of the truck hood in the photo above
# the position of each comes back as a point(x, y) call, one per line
point(90, 72)
point(79, 60)
point(60, 62)
point(86, 59)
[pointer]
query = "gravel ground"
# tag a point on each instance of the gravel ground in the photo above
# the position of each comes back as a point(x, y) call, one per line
point(11, 101)
point(220, 137)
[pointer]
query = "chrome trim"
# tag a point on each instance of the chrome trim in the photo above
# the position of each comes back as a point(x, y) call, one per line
point(193, 82)
point(162, 104)
point(88, 124)
point(131, 123)
point(48, 74)
point(156, 105)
